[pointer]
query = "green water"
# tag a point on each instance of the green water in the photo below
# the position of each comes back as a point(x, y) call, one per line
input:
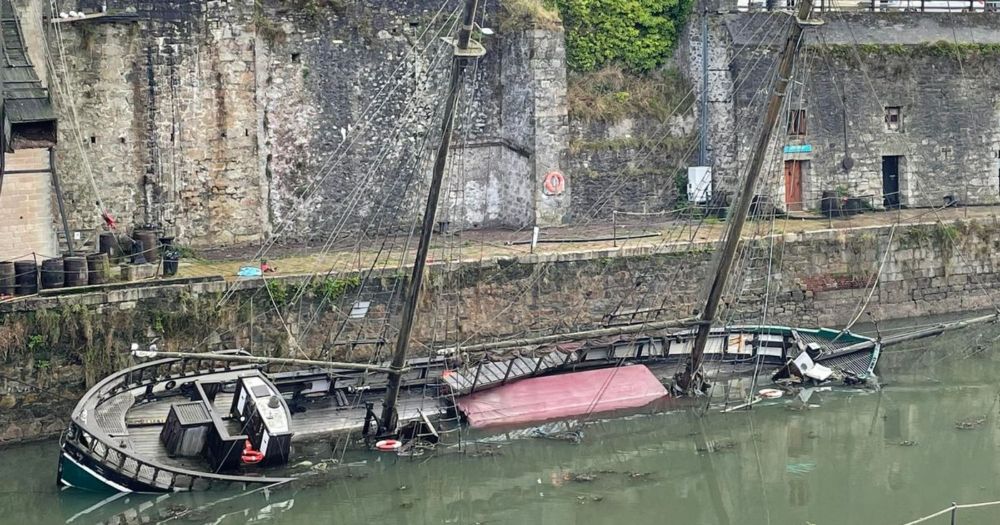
point(849, 457)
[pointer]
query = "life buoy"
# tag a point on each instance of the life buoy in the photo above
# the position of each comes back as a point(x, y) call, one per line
point(770, 393)
point(388, 445)
point(555, 183)
point(251, 456)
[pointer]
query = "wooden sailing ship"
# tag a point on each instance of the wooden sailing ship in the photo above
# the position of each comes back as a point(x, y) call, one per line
point(199, 421)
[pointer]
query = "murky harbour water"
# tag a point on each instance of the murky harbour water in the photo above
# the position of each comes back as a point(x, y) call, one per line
point(845, 457)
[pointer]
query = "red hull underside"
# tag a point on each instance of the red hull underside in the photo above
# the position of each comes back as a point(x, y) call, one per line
point(562, 396)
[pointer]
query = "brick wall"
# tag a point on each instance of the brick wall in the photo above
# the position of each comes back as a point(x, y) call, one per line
point(26, 215)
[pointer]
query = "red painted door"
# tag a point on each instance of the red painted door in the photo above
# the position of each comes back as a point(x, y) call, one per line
point(793, 185)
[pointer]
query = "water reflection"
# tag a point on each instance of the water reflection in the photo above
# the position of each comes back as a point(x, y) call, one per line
point(830, 457)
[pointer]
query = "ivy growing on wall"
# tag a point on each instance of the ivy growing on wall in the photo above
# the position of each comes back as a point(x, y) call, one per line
point(639, 34)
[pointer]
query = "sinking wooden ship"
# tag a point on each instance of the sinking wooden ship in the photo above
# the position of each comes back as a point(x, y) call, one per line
point(201, 421)
point(208, 421)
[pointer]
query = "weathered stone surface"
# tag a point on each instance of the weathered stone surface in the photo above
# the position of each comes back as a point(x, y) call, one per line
point(228, 122)
point(818, 278)
point(938, 70)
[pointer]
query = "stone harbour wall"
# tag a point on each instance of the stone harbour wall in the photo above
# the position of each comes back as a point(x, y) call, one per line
point(229, 121)
point(936, 70)
point(51, 348)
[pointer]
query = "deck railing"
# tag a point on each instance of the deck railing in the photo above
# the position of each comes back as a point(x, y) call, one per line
point(84, 433)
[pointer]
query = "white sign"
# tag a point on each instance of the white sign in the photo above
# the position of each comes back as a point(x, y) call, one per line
point(263, 442)
point(699, 188)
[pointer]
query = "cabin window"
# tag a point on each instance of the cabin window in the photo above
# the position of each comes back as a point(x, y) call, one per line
point(797, 122)
point(893, 118)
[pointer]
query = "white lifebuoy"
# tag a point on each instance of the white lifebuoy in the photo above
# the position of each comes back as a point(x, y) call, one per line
point(770, 393)
point(388, 445)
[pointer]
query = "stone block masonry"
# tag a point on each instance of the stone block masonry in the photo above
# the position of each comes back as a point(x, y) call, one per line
point(26, 205)
point(934, 74)
point(61, 344)
point(229, 120)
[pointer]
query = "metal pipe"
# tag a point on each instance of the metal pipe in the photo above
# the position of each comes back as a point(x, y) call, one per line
point(387, 423)
point(260, 360)
point(572, 336)
point(59, 200)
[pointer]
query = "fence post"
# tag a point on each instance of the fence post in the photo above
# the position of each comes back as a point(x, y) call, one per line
point(614, 228)
point(954, 510)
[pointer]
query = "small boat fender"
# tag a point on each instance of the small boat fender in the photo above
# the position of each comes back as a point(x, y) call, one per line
point(251, 456)
point(388, 445)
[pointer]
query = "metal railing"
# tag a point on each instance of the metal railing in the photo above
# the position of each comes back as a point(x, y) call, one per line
point(952, 511)
point(876, 6)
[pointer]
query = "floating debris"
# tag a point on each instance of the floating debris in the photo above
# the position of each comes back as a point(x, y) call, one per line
point(800, 468)
point(582, 477)
point(571, 436)
point(718, 446)
point(970, 423)
point(907, 443)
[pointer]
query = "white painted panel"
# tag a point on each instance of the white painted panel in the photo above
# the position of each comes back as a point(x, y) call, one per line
point(699, 188)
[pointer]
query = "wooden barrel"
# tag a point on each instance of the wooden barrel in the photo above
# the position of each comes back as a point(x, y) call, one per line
point(150, 246)
point(52, 274)
point(98, 268)
point(6, 278)
point(107, 243)
point(75, 270)
point(25, 277)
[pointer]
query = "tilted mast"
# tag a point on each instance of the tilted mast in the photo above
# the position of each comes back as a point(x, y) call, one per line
point(463, 51)
point(690, 380)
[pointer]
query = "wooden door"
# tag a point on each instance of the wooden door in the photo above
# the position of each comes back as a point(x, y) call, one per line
point(793, 185)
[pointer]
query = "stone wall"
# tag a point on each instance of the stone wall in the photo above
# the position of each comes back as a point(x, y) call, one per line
point(26, 206)
point(51, 348)
point(936, 69)
point(231, 121)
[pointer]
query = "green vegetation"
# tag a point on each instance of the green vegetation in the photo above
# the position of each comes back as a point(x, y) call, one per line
point(637, 34)
point(612, 93)
point(330, 288)
point(519, 15)
point(940, 49)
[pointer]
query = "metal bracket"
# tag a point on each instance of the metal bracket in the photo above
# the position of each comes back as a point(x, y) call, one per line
point(475, 50)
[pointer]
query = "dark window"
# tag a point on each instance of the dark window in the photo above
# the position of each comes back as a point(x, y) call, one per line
point(797, 122)
point(893, 118)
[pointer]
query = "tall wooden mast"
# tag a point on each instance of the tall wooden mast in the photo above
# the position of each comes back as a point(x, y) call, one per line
point(464, 49)
point(690, 380)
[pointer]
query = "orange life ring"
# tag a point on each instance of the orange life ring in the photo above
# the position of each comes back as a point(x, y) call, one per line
point(388, 445)
point(555, 183)
point(251, 456)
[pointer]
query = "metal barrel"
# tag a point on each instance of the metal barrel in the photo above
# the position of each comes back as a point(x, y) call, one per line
point(7, 278)
point(53, 275)
point(75, 269)
point(25, 278)
point(98, 268)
